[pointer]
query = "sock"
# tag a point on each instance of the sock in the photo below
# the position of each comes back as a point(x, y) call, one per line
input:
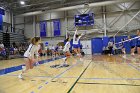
point(23, 68)
point(64, 58)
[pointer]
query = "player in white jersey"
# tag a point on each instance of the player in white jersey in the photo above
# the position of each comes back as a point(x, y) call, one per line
point(138, 42)
point(66, 52)
point(60, 49)
point(29, 55)
point(76, 44)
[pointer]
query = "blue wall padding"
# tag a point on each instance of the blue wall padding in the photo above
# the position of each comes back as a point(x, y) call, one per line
point(1, 22)
point(134, 41)
point(127, 47)
point(97, 45)
point(105, 41)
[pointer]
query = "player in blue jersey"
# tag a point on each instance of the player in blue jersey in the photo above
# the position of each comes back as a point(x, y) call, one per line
point(76, 44)
point(138, 42)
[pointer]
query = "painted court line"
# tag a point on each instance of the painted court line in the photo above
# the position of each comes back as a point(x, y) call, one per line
point(65, 71)
point(111, 78)
point(108, 84)
point(81, 78)
point(17, 68)
point(60, 74)
point(132, 65)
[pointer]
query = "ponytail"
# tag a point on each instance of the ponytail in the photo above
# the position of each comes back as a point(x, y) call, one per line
point(35, 40)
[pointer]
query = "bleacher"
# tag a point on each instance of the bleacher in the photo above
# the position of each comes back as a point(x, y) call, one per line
point(8, 39)
point(15, 37)
point(1, 36)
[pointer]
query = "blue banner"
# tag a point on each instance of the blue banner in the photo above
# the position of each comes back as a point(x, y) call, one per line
point(43, 27)
point(56, 26)
point(1, 22)
point(2, 11)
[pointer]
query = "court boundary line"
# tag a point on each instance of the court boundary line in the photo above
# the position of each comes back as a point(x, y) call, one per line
point(19, 67)
point(132, 66)
point(108, 84)
point(79, 78)
point(46, 82)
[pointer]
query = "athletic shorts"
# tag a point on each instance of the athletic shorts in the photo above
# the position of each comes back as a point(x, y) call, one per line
point(132, 46)
point(123, 46)
point(52, 50)
point(55, 50)
point(76, 46)
point(25, 57)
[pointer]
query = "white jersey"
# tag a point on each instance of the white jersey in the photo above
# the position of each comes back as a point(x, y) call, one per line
point(50, 47)
point(32, 49)
point(60, 48)
point(1, 45)
point(66, 47)
point(53, 48)
point(76, 40)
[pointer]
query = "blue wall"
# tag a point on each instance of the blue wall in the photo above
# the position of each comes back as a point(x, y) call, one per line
point(99, 43)
point(2, 12)
point(1, 22)
point(105, 41)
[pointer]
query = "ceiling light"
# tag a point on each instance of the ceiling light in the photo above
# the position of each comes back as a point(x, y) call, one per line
point(22, 2)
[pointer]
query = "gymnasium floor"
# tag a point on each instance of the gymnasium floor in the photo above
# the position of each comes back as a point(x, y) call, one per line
point(96, 74)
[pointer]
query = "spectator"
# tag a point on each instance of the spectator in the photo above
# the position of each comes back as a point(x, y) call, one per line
point(1, 45)
point(110, 46)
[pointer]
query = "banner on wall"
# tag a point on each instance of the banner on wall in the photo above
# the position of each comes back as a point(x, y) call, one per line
point(2, 11)
point(1, 22)
point(56, 26)
point(43, 27)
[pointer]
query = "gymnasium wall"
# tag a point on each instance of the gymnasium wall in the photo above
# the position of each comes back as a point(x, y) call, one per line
point(7, 17)
point(115, 19)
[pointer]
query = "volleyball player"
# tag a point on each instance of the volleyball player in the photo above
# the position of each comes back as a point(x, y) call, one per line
point(123, 47)
point(110, 46)
point(138, 42)
point(29, 55)
point(66, 52)
point(133, 45)
point(57, 53)
point(53, 52)
point(76, 44)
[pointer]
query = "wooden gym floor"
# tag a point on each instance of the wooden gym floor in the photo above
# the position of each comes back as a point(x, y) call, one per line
point(96, 74)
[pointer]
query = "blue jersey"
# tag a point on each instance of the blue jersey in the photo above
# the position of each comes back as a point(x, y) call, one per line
point(121, 44)
point(138, 42)
point(133, 42)
point(56, 48)
point(71, 44)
